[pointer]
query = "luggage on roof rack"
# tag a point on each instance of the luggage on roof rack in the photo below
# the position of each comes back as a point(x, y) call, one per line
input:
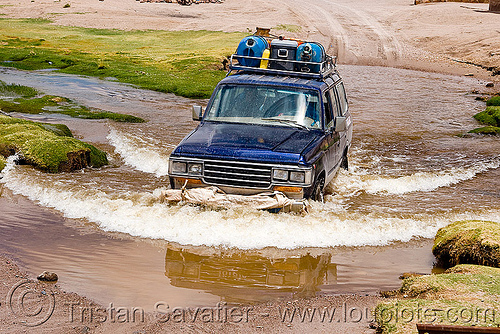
point(283, 49)
point(252, 46)
point(260, 54)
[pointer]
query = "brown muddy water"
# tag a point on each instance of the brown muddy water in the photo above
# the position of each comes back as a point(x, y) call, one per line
point(109, 238)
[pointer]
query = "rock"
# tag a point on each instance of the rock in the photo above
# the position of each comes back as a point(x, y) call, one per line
point(472, 241)
point(388, 293)
point(47, 147)
point(76, 161)
point(407, 275)
point(47, 276)
point(495, 5)
point(490, 84)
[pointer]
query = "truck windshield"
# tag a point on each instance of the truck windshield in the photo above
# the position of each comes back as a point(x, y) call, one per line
point(265, 105)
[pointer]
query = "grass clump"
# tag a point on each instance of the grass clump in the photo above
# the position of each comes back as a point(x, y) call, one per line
point(454, 283)
point(289, 27)
point(490, 117)
point(470, 241)
point(186, 63)
point(47, 146)
point(465, 295)
point(17, 90)
point(23, 99)
point(494, 101)
point(487, 130)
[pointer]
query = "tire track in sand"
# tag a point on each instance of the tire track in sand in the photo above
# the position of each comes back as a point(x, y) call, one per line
point(321, 26)
point(354, 35)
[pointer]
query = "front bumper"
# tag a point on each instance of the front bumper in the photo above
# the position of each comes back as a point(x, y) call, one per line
point(216, 198)
point(296, 193)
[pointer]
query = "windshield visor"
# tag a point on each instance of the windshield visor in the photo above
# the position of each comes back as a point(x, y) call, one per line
point(266, 105)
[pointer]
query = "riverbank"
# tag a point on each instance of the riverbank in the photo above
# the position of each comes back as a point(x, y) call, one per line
point(165, 61)
point(466, 294)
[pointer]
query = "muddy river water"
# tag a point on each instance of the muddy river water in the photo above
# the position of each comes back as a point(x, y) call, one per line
point(108, 237)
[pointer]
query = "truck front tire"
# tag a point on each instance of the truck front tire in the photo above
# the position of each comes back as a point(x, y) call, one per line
point(344, 164)
point(318, 190)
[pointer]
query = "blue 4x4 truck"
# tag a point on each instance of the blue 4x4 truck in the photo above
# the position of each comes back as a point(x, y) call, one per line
point(279, 121)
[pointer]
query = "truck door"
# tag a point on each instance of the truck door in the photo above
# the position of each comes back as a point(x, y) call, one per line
point(332, 137)
point(342, 110)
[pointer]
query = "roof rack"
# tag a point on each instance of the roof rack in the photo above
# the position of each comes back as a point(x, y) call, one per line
point(303, 69)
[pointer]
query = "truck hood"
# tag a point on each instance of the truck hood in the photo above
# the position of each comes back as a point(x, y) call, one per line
point(247, 142)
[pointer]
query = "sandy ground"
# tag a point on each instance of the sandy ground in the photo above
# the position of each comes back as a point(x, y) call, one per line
point(431, 37)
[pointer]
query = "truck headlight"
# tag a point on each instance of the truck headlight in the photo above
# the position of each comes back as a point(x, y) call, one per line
point(195, 169)
point(280, 174)
point(298, 177)
point(178, 167)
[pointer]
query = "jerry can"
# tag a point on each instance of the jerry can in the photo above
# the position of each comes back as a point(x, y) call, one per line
point(251, 46)
point(310, 52)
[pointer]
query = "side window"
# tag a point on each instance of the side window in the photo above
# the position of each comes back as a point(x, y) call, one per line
point(342, 98)
point(331, 108)
point(335, 106)
point(327, 102)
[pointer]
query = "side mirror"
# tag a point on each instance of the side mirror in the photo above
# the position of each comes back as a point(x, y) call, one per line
point(197, 113)
point(340, 124)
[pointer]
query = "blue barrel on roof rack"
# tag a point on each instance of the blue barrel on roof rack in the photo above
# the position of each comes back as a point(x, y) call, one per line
point(310, 52)
point(251, 46)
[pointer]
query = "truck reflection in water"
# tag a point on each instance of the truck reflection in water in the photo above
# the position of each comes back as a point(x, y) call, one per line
point(246, 278)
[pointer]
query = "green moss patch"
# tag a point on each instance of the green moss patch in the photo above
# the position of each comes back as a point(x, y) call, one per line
point(289, 27)
point(22, 99)
point(471, 241)
point(58, 129)
point(455, 283)
point(494, 101)
point(465, 295)
point(17, 90)
point(491, 116)
point(487, 130)
point(186, 63)
point(46, 146)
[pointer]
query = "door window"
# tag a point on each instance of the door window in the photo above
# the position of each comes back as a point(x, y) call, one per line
point(327, 103)
point(331, 108)
point(342, 99)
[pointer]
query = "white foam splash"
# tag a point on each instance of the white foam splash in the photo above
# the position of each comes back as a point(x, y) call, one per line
point(359, 180)
point(139, 153)
point(10, 165)
point(138, 214)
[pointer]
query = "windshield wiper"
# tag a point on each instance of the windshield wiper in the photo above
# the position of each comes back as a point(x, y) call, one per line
point(287, 121)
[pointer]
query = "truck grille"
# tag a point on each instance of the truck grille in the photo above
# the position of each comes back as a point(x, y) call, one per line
point(237, 174)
